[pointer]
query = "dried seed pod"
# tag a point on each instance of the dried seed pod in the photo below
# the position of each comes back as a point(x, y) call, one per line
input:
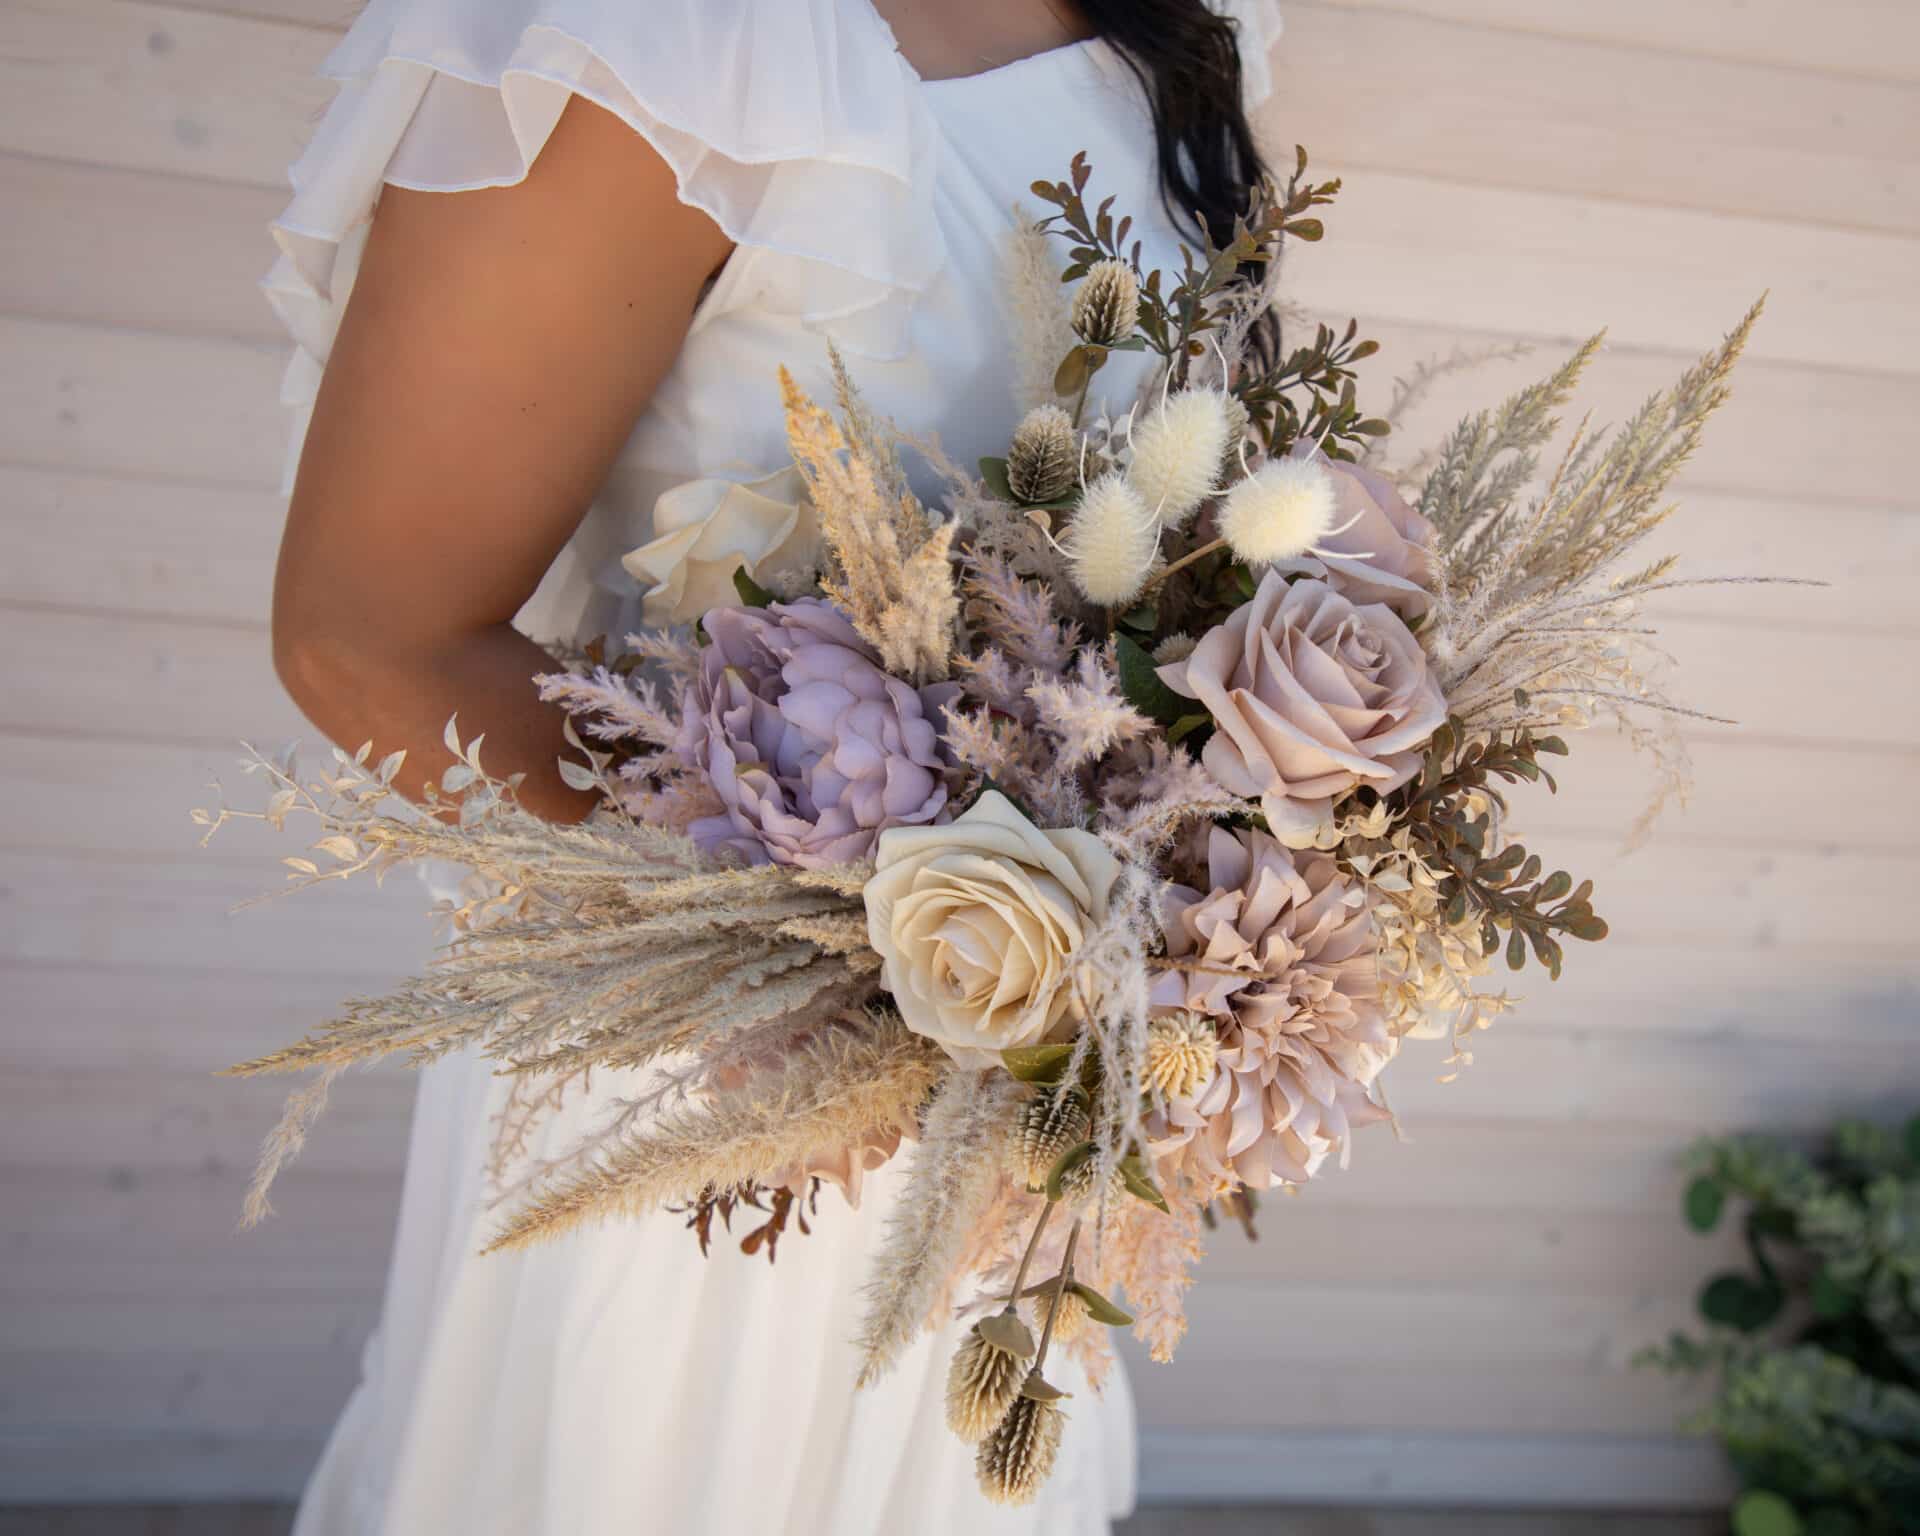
point(1177, 452)
point(1113, 542)
point(983, 1381)
point(1071, 1320)
point(1054, 1120)
point(1175, 647)
point(1081, 1185)
point(1238, 423)
point(1018, 1456)
point(1106, 306)
point(1181, 1049)
point(1044, 461)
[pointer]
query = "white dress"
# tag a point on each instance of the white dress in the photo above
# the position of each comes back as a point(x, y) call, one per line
point(616, 1382)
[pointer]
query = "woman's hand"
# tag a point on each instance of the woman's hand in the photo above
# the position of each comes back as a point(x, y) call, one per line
point(497, 349)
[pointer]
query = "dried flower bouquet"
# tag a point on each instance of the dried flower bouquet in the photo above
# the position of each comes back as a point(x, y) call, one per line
point(1098, 835)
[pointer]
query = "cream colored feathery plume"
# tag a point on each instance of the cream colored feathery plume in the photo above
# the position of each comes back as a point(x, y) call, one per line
point(891, 567)
point(608, 943)
point(952, 1175)
point(830, 1089)
point(1039, 311)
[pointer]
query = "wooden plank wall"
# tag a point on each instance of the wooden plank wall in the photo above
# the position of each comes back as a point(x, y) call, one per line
point(1451, 1318)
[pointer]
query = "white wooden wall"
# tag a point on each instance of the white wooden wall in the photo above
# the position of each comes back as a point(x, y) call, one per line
point(1451, 1319)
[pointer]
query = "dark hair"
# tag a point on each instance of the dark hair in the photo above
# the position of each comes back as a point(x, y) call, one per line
point(1187, 60)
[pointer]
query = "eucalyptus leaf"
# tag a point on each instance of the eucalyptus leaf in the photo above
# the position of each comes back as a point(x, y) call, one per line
point(1098, 1307)
point(1705, 1199)
point(1141, 686)
point(751, 592)
point(1761, 1512)
point(1037, 1063)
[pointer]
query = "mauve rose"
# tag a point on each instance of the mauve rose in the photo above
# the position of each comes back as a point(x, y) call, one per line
point(1312, 696)
point(1282, 957)
point(812, 748)
point(1382, 551)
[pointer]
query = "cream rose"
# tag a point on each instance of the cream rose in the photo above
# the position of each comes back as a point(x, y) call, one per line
point(1313, 696)
point(706, 530)
point(977, 923)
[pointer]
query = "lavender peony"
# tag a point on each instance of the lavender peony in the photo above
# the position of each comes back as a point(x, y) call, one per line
point(812, 749)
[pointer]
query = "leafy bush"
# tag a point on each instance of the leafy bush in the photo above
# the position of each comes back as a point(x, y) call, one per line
point(1816, 1347)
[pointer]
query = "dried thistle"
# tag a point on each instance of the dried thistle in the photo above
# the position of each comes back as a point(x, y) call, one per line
point(1054, 1120)
point(1106, 306)
point(986, 1375)
point(1043, 461)
point(1018, 1457)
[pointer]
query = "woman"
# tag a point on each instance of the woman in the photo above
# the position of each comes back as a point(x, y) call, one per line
point(659, 205)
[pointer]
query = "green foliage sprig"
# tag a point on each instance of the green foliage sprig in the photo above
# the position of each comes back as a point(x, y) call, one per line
point(1507, 889)
point(1301, 390)
point(1815, 1347)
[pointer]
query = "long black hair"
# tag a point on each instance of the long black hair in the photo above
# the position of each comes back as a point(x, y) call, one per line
point(1187, 60)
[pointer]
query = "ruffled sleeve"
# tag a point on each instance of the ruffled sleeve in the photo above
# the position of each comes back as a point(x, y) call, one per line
point(792, 123)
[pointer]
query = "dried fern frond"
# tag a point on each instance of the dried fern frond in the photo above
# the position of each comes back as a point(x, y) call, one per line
point(831, 1089)
point(952, 1174)
point(605, 944)
point(891, 565)
point(1535, 623)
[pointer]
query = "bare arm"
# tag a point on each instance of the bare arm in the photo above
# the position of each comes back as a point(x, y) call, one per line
point(497, 350)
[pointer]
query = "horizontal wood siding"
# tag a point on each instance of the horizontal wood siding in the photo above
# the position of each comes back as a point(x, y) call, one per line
point(1451, 1318)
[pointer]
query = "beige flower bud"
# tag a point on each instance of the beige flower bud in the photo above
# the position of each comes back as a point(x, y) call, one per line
point(1055, 1120)
point(1113, 542)
point(1043, 462)
point(1181, 1050)
point(1175, 647)
point(982, 1383)
point(1019, 1455)
point(1106, 306)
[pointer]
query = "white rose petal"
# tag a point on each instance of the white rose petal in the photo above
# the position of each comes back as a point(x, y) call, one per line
point(977, 923)
point(705, 530)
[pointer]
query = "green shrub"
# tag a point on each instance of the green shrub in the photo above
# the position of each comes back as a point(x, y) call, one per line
point(1815, 1349)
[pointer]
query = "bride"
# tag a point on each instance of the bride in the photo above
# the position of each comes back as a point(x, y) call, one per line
point(657, 205)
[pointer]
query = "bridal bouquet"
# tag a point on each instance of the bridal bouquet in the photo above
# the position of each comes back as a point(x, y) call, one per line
point(1088, 843)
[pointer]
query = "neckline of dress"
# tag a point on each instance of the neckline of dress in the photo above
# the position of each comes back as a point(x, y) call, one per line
point(1061, 52)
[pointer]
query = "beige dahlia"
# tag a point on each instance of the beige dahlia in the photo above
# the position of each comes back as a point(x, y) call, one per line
point(1280, 953)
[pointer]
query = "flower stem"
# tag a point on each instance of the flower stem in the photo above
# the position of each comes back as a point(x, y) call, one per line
point(1059, 1295)
point(1185, 560)
point(1033, 1242)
